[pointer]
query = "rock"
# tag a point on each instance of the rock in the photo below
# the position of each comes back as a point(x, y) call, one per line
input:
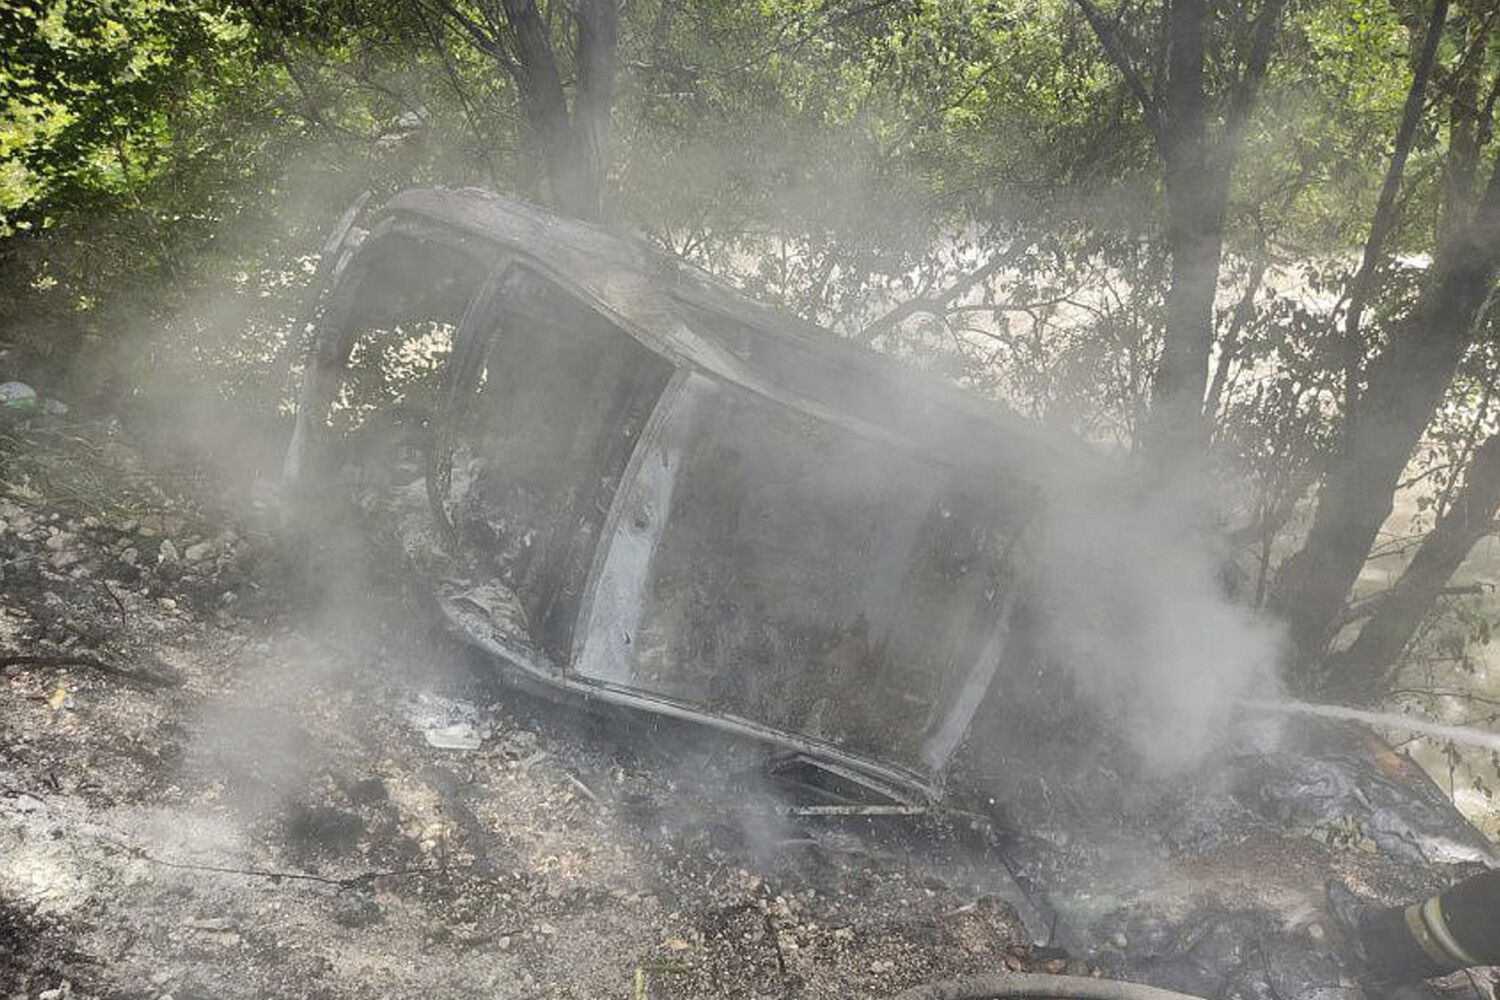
point(459, 736)
point(130, 556)
point(166, 552)
point(519, 743)
point(60, 540)
point(209, 924)
point(198, 552)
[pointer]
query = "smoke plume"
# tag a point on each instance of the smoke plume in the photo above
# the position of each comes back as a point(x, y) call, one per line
point(1134, 608)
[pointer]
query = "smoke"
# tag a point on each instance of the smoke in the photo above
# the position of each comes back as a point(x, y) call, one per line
point(1132, 605)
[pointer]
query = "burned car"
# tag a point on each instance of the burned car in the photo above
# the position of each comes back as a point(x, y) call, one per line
point(630, 485)
point(643, 488)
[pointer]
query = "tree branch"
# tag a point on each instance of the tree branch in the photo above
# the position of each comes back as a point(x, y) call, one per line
point(1242, 104)
point(1229, 343)
point(1123, 63)
point(931, 304)
point(483, 40)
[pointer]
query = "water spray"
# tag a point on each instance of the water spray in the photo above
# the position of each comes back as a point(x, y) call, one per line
point(1467, 735)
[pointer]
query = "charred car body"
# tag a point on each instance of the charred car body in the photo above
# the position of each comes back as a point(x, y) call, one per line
point(637, 487)
point(643, 488)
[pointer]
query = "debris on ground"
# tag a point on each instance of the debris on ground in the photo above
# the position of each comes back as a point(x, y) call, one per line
point(226, 774)
point(277, 820)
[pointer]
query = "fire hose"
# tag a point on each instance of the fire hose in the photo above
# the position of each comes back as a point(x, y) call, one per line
point(1015, 985)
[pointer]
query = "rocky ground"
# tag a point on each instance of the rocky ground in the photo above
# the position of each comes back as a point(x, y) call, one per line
point(216, 781)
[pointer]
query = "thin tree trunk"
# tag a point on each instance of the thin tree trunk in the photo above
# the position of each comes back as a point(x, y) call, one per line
point(1195, 238)
point(1195, 234)
point(1407, 381)
point(1196, 178)
point(598, 39)
point(1363, 671)
point(1244, 311)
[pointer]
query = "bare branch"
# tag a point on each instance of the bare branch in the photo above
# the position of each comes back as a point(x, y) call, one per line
point(932, 304)
point(483, 40)
point(1242, 104)
point(1244, 309)
point(1122, 61)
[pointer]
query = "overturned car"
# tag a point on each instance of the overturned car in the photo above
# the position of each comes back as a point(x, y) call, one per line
point(643, 488)
point(633, 486)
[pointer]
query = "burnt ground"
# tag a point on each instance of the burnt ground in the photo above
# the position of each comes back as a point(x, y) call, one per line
point(214, 782)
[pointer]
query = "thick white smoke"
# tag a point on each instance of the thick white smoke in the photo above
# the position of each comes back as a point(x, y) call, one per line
point(1132, 605)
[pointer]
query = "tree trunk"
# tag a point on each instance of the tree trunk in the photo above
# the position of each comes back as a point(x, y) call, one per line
point(1462, 162)
point(572, 142)
point(1385, 213)
point(1195, 235)
point(1196, 179)
point(1361, 672)
point(542, 98)
point(1406, 383)
point(598, 40)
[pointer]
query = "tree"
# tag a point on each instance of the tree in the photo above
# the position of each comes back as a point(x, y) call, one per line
point(1405, 382)
point(573, 140)
point(1196, 168)
point(1364, 669)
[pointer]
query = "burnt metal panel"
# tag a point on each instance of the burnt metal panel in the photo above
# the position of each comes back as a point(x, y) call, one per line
point(776, 569)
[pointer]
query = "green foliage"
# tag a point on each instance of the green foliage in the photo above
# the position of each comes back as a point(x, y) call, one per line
point(86, 88)
point(170, 165)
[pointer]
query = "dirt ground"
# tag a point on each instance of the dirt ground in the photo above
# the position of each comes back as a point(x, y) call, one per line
point(216, 781)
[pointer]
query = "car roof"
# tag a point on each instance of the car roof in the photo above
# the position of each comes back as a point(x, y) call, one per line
point(695, 320)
